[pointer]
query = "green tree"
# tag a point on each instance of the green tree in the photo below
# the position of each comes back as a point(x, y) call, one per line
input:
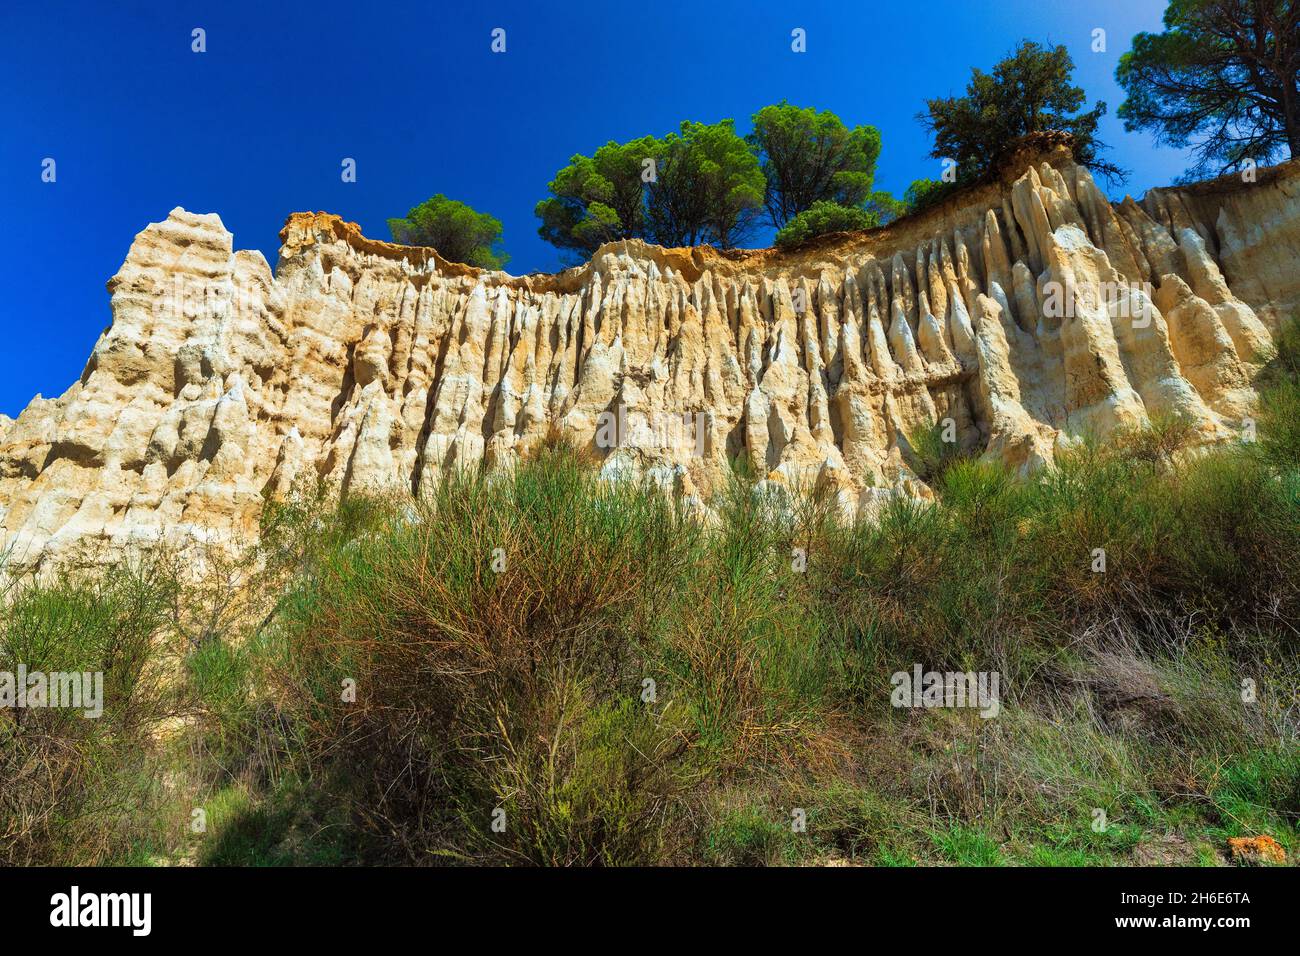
point(924, 193)
point(885, 207)
point(599, 198)
point(1224, 75)
point(823, 217)
point(809, 157)
point(1027, 92)
point(676, 207)
point(456, 231)
point(708, 187)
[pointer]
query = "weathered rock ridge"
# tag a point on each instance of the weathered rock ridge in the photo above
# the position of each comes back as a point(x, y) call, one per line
point(1020, 313)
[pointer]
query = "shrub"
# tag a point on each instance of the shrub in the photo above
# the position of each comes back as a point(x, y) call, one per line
point(85, 790)
point(498, 645)
point(1279, 413)
point(924, 193)
point(821, 218)
point(612, 681)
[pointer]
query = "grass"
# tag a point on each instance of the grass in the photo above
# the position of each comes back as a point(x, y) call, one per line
point(79, 790)
point(538, 667)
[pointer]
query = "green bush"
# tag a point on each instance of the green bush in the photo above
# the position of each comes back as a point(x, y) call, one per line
point(537, 666)
point(1279, 414)
point(498, 647)
point(924, 193)
point(821, 218)
point(81, 790)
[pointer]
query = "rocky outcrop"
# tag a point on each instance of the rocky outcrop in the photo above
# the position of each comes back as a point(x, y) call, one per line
point(1020, 313)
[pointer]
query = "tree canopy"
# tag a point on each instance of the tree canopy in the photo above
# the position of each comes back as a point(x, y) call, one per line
point(1029, 91)
point(701, 184)
point(1224, 77)
point(598, 198)
point(885, 207)
point(456, 231)
point(708, 187)
point(705, 184)
point(809, 156)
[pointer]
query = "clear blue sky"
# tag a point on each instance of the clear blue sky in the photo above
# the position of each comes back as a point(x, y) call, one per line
point(256, 127)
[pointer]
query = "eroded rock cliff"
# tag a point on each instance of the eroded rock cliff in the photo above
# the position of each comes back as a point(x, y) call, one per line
point(1021, 313)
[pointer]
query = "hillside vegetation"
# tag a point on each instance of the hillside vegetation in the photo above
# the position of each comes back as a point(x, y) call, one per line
point(543, 668)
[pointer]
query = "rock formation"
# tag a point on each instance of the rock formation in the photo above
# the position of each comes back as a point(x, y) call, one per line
point(1018, 314)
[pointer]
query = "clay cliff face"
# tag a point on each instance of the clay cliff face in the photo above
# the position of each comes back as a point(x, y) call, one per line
point(1018, 315)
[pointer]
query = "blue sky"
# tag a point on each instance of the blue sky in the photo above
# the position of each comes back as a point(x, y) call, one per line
point(256, 127)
